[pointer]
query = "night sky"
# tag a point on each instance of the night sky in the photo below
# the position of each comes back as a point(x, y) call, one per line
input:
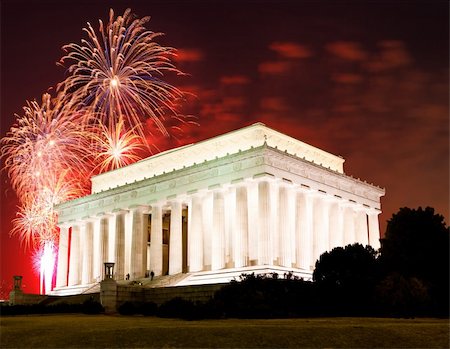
point(365, 80)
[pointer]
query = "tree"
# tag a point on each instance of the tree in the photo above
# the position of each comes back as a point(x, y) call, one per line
point(402, 296)
point(416, 245)
point(346, 266)
point(346, 278)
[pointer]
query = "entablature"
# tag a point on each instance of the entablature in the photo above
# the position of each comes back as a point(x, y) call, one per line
point(218, 172)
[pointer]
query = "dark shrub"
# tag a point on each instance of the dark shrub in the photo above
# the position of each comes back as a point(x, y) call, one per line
point(91, 307)
point(178, 308)
point(403, 296)
point(148, 309)
point(127, 308)
point(265, 296)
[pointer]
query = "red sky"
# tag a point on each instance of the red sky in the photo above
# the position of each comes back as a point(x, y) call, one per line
point(368, 81)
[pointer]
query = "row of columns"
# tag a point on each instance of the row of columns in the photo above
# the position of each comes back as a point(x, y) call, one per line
point(251, 223)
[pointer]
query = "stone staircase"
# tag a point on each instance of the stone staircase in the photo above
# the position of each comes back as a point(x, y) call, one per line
point(93, 289)
point(78, 289)
point(226, 275)
point(160, 281)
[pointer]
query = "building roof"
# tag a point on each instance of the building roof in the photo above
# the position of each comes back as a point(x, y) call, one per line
point(220, 146)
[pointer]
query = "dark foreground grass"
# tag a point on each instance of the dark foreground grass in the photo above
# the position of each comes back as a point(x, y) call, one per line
point(89, 331)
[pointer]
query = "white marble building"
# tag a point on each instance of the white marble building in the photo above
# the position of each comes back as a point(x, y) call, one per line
point(252, 200)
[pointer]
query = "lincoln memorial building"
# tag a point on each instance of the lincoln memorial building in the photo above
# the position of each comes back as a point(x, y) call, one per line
point(251, 200)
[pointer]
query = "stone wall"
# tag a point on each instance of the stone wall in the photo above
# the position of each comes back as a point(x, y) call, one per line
point(18, 297)
point(200, 293)
point(112, 295)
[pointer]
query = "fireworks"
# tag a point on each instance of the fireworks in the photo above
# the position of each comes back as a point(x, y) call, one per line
point(115, 148)
point(117, 74)
point(43, 139)
point(95, 124)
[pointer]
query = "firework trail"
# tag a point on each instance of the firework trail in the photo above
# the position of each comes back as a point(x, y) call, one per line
point(117, 75)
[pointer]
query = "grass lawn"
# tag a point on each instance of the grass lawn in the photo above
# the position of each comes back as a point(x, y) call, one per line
point(96, 331)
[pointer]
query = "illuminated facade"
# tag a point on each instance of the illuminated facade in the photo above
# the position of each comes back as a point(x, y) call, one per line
point(252, 200)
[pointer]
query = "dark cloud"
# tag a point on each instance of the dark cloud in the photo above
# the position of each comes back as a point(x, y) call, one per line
point(347, 78)
point(347, 50)
point(189, 55)
point(234, 80)
point(274, 67)
point(392, 55)
point(291, 49)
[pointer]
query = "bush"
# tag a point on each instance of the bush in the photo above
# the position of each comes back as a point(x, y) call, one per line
point(127, 308)
point(148, 309)
point(92, 307)
point(403, 296)
point(266, 296)
point(178, 308)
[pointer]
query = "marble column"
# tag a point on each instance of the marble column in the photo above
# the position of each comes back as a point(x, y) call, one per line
point(176, 238)
point(119, 251)
point(374, 229)
point(111, 239)
point(195, 235)
point(321, 226)
point(241, 229)
point(336, 224)
point(274, 223)
point(75, 260)
point(138, 261)
point(304, 230)
point(128, 233)
point(86, 243)
point(253, 216)
point(230, 218)
point(361, 227)
point(207, 227)
point(349, 225)
point(63, 255)
point(286, 226)
point(156, 240)
point(218, 233)
point(104, 244)
point(96, 268)
point(264, 237)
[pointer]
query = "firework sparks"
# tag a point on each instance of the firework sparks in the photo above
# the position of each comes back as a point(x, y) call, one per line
point(44, 138)
point(116, 148)
point(95, 124)
point(44, 263)
point(117, 74)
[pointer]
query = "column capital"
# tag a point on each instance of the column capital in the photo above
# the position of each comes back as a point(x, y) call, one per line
point(175, 200)
point(304, 189)
point(142, 208)
point(118, 211)
point(360, 207)
point(101, 215)
point(373, 211)
point(349, 204)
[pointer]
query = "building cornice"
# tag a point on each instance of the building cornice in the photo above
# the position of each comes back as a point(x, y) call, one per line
point(223, 171)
